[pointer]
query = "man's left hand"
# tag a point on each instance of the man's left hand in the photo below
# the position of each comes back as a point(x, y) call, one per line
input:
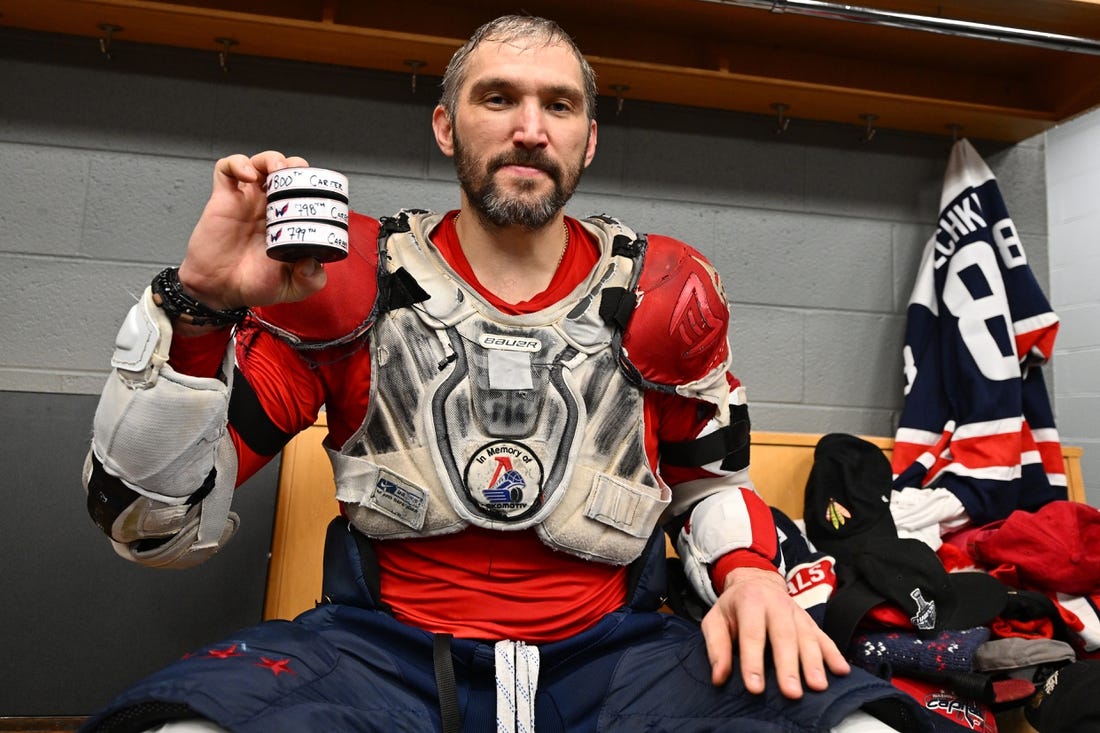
point(755, 610)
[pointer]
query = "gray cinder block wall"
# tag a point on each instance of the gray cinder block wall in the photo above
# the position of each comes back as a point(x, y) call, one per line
point(106, 166)
point(1073, 178)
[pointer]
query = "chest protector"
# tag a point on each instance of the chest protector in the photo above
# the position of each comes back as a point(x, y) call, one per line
point(506, 422)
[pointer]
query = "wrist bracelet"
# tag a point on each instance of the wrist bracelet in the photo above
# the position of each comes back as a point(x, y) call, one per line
point(169, 296)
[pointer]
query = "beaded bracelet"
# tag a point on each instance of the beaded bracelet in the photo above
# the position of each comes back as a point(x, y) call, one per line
point(169, 296)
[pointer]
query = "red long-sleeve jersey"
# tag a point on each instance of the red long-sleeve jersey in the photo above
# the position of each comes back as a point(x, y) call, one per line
point(477, 583)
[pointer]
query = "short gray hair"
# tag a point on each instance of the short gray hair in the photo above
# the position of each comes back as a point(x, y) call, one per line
point(509, 28)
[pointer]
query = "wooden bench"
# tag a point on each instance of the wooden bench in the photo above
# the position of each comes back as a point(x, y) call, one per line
point(781, 463)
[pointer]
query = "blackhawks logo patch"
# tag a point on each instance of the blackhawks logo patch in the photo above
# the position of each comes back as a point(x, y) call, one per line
point(835, 514)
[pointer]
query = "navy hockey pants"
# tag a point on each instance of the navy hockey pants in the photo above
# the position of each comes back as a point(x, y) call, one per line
point(346, 667)
point(340, 668)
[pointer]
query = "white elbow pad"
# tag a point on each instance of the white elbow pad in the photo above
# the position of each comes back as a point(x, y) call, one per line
point(163, 436)
point(719, 524)
point(156, 534)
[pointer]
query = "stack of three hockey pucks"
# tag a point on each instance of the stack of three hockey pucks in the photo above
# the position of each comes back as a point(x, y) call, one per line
point(307, 214)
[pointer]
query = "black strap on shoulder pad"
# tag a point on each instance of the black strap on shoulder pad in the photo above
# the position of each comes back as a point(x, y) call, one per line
point(399, 289)
point(617, 306)
point(624, 246)
point(399, 222)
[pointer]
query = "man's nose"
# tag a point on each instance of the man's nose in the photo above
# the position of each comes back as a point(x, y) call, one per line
point(530, 128)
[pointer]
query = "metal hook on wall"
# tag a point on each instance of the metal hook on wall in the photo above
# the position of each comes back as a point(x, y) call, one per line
point(223, 55)
point(619, 90)
point(956, 131)
point(782, 122)
point(869, 131)
point(109, 30)
point(415, 65)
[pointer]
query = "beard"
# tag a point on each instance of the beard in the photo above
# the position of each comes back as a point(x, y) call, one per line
point(527, 208)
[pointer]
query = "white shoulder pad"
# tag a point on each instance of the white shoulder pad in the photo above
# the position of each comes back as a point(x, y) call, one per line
point(161, 434)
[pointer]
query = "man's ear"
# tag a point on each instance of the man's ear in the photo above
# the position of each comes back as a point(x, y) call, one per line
point(444, 131)
point(590, 148)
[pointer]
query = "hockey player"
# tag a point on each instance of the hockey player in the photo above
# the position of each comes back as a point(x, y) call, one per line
point(518, 402)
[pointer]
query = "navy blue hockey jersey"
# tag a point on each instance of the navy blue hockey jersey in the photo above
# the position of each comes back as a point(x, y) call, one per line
point(977, 419)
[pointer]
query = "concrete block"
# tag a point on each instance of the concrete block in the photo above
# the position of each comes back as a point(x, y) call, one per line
point(61, 316)
point(1078, 329)
point(690, 223)
point(697, 155)
point(42, 201)
point(1075, 197)
point(854, 359)
point(143, 208)
point(1071, 148)
point(1076, 372)
point(440, 167)
point(816, 419)
point(787, 258)
point(1038, 259)
point(869, 182)
point(605, 173)
point(379, 196)
point(908, 244)
point(1021, 177)
point(1074, 241)
point(1076, 418)
point(116, 107)
point(1090, 467)
point(766, 344)
point(1075, 284)
point(344, 132)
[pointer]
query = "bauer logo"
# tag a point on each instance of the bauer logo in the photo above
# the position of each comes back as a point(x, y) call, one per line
point(509, 343)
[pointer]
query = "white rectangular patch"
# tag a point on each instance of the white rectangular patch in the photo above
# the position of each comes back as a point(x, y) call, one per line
point(510, 370)
point(629, 508)
point(397, 498)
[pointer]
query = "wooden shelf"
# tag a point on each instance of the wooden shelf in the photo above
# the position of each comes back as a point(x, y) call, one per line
point(686, 52)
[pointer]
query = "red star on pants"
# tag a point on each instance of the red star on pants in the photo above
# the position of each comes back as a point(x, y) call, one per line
point(277, 666)
point(223, 653)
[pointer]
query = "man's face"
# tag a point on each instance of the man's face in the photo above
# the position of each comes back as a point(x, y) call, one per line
point(521, 136)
